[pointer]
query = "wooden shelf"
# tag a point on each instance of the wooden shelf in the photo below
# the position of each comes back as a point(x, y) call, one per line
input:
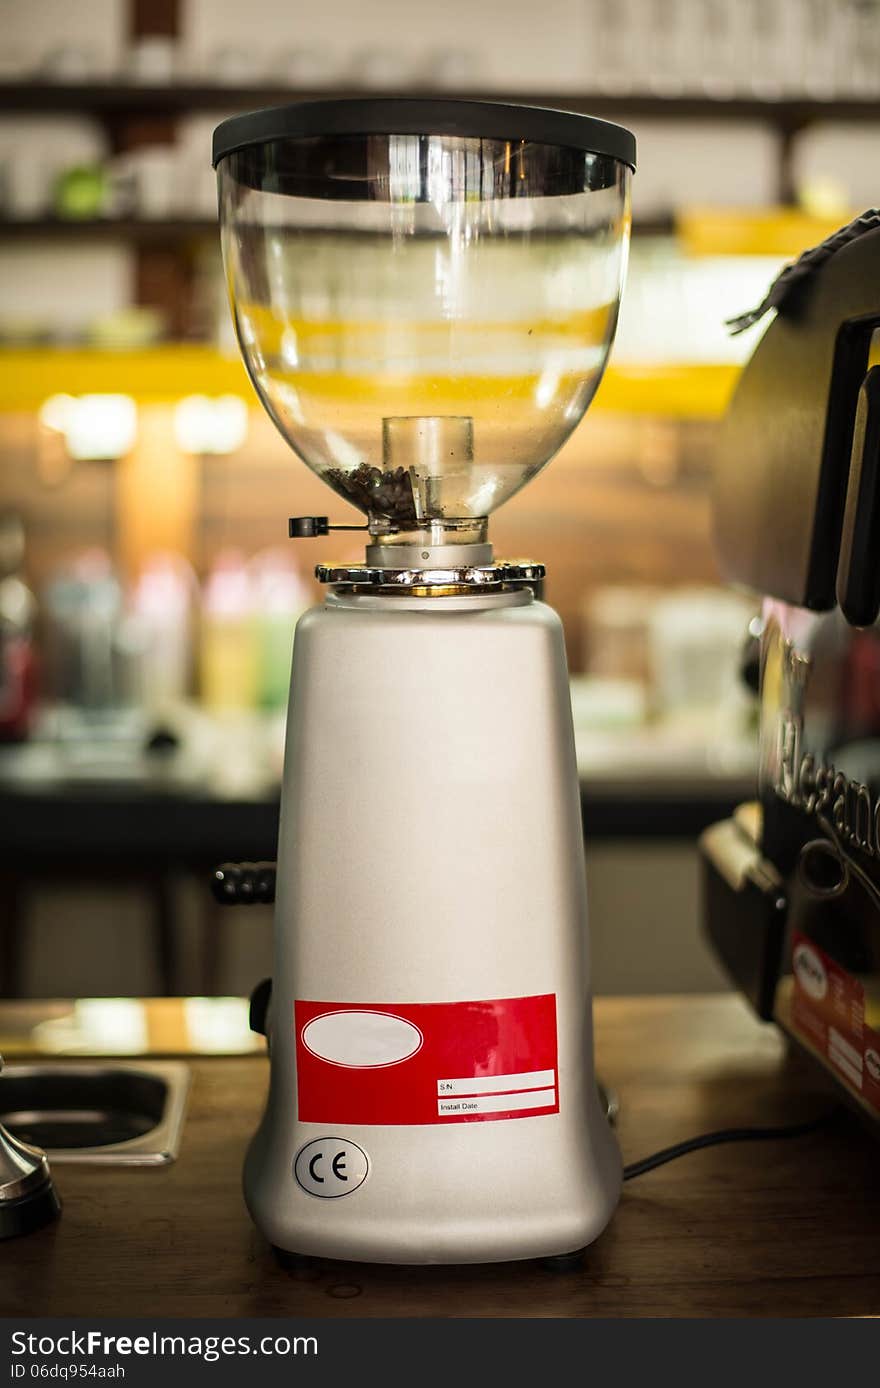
point(172, 231)
point(155, 375)
point(770, 231)
point(115, 98)
point(163, 374)
point(687, 391)
point(142, 231)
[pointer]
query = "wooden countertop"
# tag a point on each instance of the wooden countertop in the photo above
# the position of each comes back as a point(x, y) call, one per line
point(757, 1229)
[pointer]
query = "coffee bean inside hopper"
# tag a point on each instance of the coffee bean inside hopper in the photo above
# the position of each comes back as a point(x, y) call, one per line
point(388, 494)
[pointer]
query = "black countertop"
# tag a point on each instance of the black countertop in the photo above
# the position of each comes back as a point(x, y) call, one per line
point(104, 802)
point(112, 823)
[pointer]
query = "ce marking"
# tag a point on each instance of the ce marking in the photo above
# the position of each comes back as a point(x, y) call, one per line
point(330, 1167)
point(337, 1166)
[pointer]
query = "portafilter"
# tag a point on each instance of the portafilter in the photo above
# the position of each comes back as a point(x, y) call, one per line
point(28, 1198)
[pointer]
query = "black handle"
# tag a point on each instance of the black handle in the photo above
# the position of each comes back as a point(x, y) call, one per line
point(244, 884)
point(858, 573)
point(258, 1012)
point(308, 527)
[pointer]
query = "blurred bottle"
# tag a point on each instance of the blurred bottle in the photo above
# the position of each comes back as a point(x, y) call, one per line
point(281, 597)
point(159, 626)
point(229, 638)
point(18, 683)
point(83, 606)
point(864, 49)
point(80, 193)
point(696, 640)
point(617, 632)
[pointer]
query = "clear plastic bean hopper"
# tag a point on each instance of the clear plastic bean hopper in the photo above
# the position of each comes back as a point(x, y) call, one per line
point(425, 311)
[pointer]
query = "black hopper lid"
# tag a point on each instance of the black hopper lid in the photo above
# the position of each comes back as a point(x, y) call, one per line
point(489, 120)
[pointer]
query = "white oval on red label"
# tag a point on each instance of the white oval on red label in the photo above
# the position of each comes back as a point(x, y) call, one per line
point(361, 1040)
point(810, 972)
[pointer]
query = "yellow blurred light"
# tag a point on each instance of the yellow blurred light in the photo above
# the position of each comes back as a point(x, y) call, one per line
point(56, 412)
point(94, 426)
point(102, 426)
point(205, 424)
point(764, 231)
point(826, 197)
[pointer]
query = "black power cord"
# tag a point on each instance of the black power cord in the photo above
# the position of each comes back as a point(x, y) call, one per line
point(694, 1144)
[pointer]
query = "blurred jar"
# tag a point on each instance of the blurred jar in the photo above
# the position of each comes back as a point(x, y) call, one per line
point(697, 639)
point(452, 69)
point(306, 68)
point(35, 151)
point(281, 597)
point(155, 185)
point(159, 623)
point(152, 59)
point(229, 642)
point(80, 193)
point(18, 665)
point(150, 181)
point(83, 607)
point(617, 632)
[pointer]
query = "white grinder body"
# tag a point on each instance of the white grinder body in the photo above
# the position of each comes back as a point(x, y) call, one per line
point(432, 1095)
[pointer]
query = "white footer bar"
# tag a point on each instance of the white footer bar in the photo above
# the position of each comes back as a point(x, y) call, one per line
point(498, 1103)
point(497, 1084)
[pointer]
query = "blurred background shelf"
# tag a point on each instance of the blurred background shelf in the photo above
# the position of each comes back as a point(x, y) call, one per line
point(143, 231)
point(114, 99)
point(166, 373)
point(770, 231)
point(158, 375)
point(689, 391)
point(160, 231)
point(699, 231)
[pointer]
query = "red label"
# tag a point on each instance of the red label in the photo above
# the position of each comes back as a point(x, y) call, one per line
point(435, 1062)
point(829, 1012)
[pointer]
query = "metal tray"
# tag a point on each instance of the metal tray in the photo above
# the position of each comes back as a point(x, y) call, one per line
point(116, 1114)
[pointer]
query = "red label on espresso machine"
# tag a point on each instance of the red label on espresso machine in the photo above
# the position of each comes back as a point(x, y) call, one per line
point(829, 1013)
point(436, 1062)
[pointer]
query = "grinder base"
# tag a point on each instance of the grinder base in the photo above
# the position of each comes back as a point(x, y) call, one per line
point(432, 1093)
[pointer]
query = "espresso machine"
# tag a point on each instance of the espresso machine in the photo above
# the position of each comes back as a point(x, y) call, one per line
point(792, 880)
point(425, 293)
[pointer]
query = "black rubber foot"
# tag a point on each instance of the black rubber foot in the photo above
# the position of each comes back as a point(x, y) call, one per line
point(30, 1213)
point(564, 1262)
point(291, 1262)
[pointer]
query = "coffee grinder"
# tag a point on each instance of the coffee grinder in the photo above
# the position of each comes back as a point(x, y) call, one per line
point(425, 293)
